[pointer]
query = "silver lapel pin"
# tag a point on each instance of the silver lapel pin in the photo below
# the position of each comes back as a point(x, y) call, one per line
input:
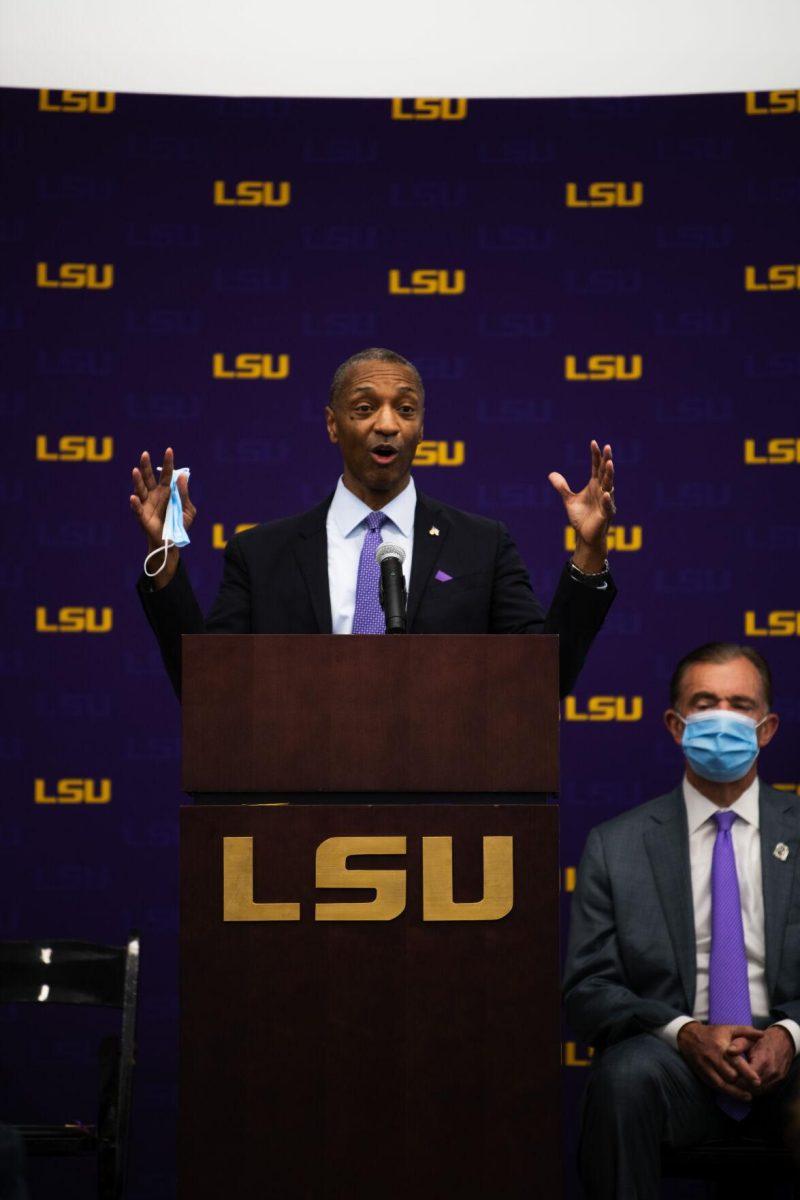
point(781, 851)
point(433, 531)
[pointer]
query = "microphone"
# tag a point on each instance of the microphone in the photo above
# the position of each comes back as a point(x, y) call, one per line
point(393, 586)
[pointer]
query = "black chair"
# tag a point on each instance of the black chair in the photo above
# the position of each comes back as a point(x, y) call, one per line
point(62, 972)
point(744, 1168)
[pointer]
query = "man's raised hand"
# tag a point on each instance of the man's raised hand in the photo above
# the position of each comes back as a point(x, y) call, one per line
point(149, 505)
point(590, 510)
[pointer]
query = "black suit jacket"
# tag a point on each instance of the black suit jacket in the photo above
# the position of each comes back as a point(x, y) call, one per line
point(276, 581)
point(631, 963)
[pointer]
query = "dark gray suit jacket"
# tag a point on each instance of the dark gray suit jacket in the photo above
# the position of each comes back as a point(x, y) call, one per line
point(276, 581)
point(631, 958)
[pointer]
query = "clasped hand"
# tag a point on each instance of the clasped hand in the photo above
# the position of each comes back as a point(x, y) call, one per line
point(739, 1060)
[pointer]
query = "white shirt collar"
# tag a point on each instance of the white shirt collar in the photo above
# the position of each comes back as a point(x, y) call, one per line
point(348, 511)
point(700, 809)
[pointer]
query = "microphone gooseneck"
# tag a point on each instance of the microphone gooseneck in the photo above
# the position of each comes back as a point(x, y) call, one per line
point(393, 586)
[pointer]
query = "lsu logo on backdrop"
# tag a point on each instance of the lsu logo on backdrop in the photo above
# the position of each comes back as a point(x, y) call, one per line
point(332, 871)
point(218, 538)
point(601, 368)
point(75, 449)
point(780, 623)
point(253, 193)
point(252, 366)
point(777, 452)
point(570, 878)
point(765, 104)
point(606, 195)
point(783, 277)
point(72, 791)
point(620, 537)
point(577, 1055)
point(428, 109)
point(75, 620)
point(604, 708)
point(788, 787)
point(440, 454)
point(427, 282)
point(76, 275)
point(99, 103)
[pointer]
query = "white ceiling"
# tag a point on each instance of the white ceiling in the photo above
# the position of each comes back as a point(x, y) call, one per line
point(401, 47)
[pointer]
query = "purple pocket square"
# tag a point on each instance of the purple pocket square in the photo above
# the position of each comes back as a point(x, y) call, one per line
point(443, 577)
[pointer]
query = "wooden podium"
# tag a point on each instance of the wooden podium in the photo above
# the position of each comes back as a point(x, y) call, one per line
point(369, 974)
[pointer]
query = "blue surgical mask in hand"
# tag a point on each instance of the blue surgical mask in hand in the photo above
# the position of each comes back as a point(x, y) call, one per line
point(174, 532)
point(720, 745)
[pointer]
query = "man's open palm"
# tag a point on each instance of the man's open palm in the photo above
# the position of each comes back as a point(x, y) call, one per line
point(590, 510)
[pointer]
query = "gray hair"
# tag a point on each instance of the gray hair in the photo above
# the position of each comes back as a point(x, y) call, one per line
point(721, 652)
point(373, 354)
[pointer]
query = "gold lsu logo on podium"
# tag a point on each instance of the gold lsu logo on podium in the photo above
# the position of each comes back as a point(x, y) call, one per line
point(389, 885)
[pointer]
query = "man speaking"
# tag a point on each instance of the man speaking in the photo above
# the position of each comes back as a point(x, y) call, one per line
point(317, 572)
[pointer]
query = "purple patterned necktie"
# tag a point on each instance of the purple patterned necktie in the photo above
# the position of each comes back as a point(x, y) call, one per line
point(368, 616)
point(728, 987)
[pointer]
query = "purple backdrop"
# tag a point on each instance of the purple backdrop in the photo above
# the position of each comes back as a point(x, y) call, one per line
point(705, 434)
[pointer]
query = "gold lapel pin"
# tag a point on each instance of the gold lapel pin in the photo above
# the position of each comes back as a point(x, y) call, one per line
point(781, 851)
point(433, 531)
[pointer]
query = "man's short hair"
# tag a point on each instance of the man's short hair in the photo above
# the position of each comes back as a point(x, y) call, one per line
point(721, 652)
point(373, 354)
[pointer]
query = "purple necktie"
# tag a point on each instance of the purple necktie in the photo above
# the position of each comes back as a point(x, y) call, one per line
point(728, 988)
point(368, 616)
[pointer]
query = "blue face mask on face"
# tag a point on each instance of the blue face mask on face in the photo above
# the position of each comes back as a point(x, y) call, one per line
point(720, 745)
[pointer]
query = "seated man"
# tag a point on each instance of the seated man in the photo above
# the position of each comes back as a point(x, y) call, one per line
point(683, 968)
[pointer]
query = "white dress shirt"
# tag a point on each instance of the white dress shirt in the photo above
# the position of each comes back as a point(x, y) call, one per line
point(747, 850)
point(346, 530)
